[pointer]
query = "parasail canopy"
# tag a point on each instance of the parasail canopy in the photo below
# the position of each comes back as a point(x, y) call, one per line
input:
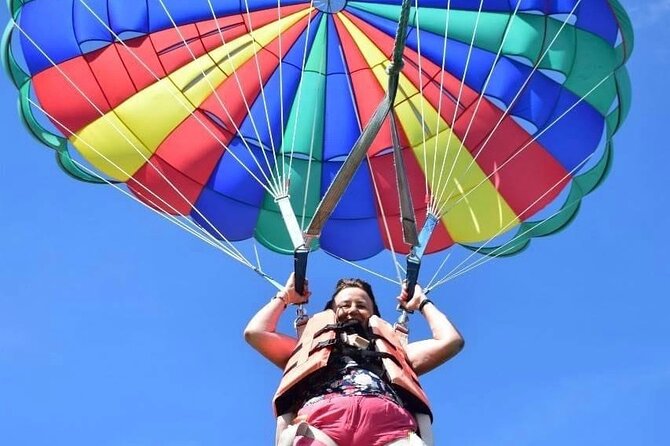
point(216, 109)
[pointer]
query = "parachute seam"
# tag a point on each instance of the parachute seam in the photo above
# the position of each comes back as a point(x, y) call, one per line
point(323, 88)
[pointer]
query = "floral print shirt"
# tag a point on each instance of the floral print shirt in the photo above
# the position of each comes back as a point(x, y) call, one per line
point(351, 379)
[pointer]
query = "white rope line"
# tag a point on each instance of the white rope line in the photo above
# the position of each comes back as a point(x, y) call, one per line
point(272, 181)
point(362, 268)
point(458, 99)
point(256, 256)
point(453, 272)
point(423, 99)
point(281, 90)
point(207, 238)
point(384, 221)
point(250, 116)
point(438, 117)
point(113, 125)
point(260, 79)
point(525, 146)
point(213, 242)
point(282, 181)
point(513, 222)
point(299, 96)
point(439, 269)
point(443, 185)
point(185, 223)
point(516, 96)
point(482, 260)
point(200, 233)
point(179, 100)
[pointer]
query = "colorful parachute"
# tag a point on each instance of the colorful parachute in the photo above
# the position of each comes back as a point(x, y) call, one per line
point(214, 108)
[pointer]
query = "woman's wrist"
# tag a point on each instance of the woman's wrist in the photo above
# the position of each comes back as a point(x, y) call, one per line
point(423, 303)
point(281, 296)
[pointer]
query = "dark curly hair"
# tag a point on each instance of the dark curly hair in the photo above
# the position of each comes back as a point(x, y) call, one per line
point(353, 283)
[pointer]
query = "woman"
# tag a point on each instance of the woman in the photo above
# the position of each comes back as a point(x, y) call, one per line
point(350, 380)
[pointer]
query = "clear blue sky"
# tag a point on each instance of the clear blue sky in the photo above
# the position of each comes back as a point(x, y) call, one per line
point(119, 329)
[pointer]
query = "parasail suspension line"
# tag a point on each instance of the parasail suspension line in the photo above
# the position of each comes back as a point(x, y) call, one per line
point(193, 229)
point(385, 225)
point(507, 110)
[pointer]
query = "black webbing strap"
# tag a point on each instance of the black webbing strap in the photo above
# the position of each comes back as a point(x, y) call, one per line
point(300, 268)
point(329, 327)
point(368, 355)
point(323, 344)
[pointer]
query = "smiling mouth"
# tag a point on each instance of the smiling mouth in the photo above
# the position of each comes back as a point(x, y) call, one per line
point(359, 319)
point(349, 317)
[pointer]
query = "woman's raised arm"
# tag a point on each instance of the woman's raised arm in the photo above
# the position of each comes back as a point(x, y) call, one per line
point(261, 332)
point(446, 342)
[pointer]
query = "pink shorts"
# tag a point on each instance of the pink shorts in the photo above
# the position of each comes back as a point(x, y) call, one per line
point(357, 421)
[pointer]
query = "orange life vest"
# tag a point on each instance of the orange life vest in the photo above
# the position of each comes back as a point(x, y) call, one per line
point(314, 349)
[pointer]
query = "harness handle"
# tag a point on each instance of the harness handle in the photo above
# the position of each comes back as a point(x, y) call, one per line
point(300, 267)
point(300, 272)
point(401, 326)
point(412, 276)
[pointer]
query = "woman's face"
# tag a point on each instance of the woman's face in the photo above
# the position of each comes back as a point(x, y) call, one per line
point(353, 304)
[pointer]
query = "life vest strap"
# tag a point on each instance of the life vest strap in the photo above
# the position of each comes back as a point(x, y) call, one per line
point(329, 327)
point(323, 344)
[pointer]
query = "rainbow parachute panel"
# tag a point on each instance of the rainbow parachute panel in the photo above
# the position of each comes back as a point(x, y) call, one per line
point(200, 106)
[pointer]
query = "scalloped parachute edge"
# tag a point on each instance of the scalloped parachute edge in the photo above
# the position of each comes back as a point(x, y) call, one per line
point(23, 83)
point(581, 186)
point(587, 182)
